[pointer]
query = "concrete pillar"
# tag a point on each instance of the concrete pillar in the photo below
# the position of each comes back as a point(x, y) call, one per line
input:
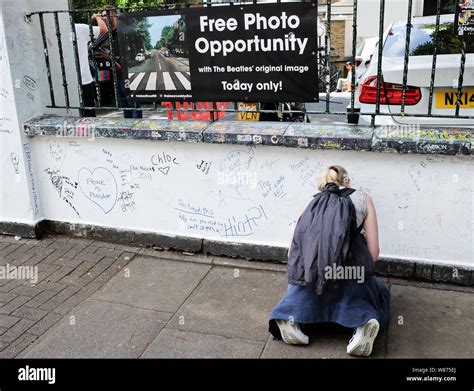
point(24, 93)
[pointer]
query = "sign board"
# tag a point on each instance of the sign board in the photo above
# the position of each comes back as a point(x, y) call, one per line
point(464, 19)
point(251, 115)
point(251, 53)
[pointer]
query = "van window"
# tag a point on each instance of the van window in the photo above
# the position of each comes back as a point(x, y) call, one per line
point(421, 41)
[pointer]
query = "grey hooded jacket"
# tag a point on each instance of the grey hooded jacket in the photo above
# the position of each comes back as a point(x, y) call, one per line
point(326, 234)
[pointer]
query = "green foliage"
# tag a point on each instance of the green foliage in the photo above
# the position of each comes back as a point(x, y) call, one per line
point(142, 28)
point(171, 37)
point(447, 41)
point(99, 4)
point(93, 4)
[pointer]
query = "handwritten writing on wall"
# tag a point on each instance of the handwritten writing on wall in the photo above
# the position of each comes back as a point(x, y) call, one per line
point(55, 151)
point(27, 87)
point(129, 172)
point(197, 218)
point(186, 207)
point(164, 162)
point(65, 187)
point(15, 161)
point(275, 188)
point(31, 177)
point(130, 175)
point(307, 171)
point(204, 166)
point(237, 173)
point(245, 225)
point(126, 201)
point(99, 186)
point(6, 124)
point(202, 219)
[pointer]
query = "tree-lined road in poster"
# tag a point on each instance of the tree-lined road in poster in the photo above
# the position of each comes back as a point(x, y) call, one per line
point(160, 73)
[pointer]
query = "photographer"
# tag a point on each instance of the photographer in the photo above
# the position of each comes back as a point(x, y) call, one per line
point(83, 38)
point(121, 91)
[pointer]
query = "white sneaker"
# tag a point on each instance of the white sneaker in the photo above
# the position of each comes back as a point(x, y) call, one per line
point(291, 333)
point(363, 339)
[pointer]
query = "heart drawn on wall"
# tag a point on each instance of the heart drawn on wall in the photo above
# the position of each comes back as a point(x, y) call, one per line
point(99, 186)
point(164, 170)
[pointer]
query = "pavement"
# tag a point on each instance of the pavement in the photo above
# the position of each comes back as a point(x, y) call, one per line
point(97, 299)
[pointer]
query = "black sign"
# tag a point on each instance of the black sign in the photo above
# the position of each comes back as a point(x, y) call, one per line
point(464, 20)
point(254, 53)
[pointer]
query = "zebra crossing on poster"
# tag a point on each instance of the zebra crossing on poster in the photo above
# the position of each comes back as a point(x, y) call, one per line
point(153, 81)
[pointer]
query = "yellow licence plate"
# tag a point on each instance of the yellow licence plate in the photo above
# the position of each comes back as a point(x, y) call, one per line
point(244, 115)
point(446, 99)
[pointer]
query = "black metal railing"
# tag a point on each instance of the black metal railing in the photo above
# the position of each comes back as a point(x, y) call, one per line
point(324, 57)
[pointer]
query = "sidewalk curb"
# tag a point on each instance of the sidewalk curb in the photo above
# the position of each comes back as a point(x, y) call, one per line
point(24, 230)
point(243, 252)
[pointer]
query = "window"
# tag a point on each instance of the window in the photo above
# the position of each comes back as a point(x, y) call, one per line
point(422, 41)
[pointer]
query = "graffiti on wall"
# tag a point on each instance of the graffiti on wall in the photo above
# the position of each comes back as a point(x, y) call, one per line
point(99, 186)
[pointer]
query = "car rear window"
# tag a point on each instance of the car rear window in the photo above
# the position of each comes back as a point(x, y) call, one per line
point(422, 41)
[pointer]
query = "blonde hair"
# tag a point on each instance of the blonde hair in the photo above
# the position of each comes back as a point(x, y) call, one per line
point(334, 174)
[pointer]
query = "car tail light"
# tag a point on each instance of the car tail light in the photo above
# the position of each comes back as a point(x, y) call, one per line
point(358, 61)
point(390, 93)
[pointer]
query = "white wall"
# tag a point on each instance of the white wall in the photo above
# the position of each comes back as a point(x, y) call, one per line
point(24, 94)
point(424, 203)
point(348, 39)
point(369, 11)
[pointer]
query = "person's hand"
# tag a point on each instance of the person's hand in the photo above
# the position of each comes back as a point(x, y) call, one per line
point(103, 55)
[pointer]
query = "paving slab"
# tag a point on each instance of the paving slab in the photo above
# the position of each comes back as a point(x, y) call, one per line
point(101, 330)
point(232, 303)
point(184, 344)
point(152, 283)
point(218, 306)
point(329, 341)
point(430, 323)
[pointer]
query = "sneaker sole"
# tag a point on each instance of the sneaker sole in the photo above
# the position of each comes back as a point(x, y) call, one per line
point(287, 336)
point(365, 345)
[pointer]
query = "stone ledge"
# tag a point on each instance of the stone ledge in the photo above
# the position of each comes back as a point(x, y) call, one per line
point(100, 127)
point(442, 141)
point(248, 133)
point(434, 141)
point(327, 137)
